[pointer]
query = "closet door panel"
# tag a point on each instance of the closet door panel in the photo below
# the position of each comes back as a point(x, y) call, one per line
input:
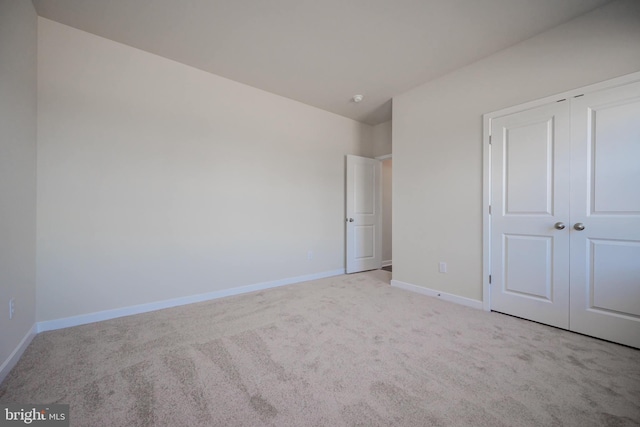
point(605, 215)
point(530, 195)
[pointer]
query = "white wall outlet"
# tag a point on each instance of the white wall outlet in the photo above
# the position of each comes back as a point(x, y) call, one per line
point(442, 267)
point(309, 255)
point(12, 307)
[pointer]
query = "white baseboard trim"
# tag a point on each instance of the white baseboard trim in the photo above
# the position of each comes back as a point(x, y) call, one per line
point(83, 319)
point(442, 295)
point(387, 263)
point(15, 355)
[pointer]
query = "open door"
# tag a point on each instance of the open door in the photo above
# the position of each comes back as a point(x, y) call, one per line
point(364, 214)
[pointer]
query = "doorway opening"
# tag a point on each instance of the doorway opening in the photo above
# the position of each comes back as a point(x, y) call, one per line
point(387, 197)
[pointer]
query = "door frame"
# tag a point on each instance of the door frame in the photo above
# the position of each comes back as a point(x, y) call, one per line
point(382, 159)
point(378, 206)
point(486, 164)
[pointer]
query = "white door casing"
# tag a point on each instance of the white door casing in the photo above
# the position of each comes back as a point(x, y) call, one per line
point(363, 214)
point(530, 256)
point(605, 198)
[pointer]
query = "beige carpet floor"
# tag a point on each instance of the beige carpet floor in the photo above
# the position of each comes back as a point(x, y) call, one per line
point(343, 351)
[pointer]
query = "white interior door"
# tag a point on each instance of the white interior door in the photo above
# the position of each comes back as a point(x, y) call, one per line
point(530, 205)
point(364, 214)
point(605, 255)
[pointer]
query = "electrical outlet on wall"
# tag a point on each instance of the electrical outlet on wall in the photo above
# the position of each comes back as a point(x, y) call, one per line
point(442, 267)
point(12, 307)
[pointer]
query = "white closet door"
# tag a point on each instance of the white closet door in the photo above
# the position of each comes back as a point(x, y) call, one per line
point(530, 203)
point(605, 255)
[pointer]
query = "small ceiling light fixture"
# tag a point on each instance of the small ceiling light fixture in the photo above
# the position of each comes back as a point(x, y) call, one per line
point(357, 98)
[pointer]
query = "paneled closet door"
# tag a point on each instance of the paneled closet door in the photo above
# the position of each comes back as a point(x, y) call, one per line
point(530, 214)
point(605, 215)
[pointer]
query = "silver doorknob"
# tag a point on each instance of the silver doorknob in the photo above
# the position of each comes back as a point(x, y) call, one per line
point(579, 226)
point(350, 219)
point(559, 225)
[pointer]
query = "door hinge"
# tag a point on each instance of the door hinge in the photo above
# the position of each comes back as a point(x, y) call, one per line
point(489, 209)
point(490, 138)
point(489, 279)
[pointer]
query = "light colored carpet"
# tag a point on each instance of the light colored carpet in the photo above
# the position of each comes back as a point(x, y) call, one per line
point(342, 351)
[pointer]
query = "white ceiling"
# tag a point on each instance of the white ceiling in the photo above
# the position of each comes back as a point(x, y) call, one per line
point(320, 52)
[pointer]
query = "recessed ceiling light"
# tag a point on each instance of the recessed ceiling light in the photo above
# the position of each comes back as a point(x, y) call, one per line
point(357, 98)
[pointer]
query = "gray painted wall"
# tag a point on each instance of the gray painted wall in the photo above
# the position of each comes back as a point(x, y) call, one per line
point(157, 180)
point(18, 111)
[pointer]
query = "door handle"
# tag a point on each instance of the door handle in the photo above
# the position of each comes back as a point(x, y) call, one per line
point(559, 225)
point(349, 219)
point(579, 226)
